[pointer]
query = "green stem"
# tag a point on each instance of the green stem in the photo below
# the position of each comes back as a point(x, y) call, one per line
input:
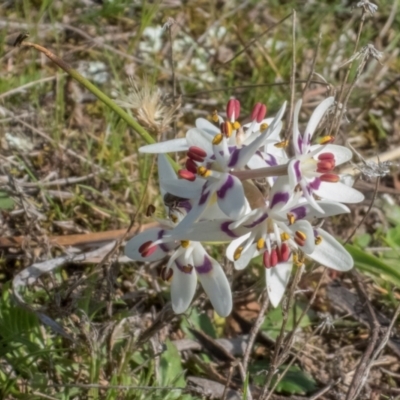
point(100, 95)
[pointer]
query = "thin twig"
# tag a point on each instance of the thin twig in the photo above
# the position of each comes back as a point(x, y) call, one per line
point(254, 331)
point(312, 70)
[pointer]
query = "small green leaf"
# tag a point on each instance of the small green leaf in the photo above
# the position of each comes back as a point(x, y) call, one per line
point(200, 322)
point(6, 202)
point(171, 371)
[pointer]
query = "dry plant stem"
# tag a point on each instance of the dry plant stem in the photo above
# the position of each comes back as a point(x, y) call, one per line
point(276, 360)
point(254, 331)
point(292, 78)
point(324, 390)
point(257, 38)
point(341, 93)
point(310, 75)
point(362, 370)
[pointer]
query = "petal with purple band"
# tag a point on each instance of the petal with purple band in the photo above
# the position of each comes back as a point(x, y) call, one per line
point(183, 287)
point(205, 267)
point(294, 173)
point(299, 212)
point(230, 196)
point(279, 197)
point(257, 221)
point(214, 283)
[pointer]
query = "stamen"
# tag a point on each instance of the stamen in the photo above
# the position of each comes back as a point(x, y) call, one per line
point(263, 126)
point(259, 112)
point(146, 249)
point(217, 138)
point(185, 174)
point(150, 210)
point(281, 145)
point(318, 240)
point(266, 260)
point(187, 269)
point(226, 129)
point(191, 166)
point(237, 253)
point(203, 171)
point(185, 243)
point(166, 274)
point(285, 236)
point(233, 109)
point(274, 258)
point(326, 156)
point(300, 238)
point(260, 244)
point(325, 166)
point(214, 116)
point(236, 125)
point(196, 153)
point(291, 218)
point(329, 178)
point(326, 139)
point(284, 253)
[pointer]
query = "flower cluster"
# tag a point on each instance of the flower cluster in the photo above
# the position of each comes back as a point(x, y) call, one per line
point(218, 197)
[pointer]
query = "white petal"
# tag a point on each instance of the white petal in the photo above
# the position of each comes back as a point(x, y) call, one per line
point(182, 187)
point(331, 253)
point(294, 173)
point(230, 196)
point(207, 127)
point(215, 284)
point(216, 231)
point(166, 147)
point(317, 115)
point(230, 250)
point(150, 235)
point(183, 287)
point(243, 261)
point(281, 193)
point(303, 210)
point(338, 191)
point(277, 279)
point(197, 137)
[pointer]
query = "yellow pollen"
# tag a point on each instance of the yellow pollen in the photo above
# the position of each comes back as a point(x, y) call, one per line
point(185, 243)
point(260, 244)
point(325, 139)
point(203, 171)
point(298, 260)
point(318, 240)
point(291, 218)
point(217, 138)
point(281, 145)
point(214, 116)
point(174, 218)
point(301, 235)
point(237, 253)
point(284, 236)
point(236, 125)
point(228, 132)
point(263, 127)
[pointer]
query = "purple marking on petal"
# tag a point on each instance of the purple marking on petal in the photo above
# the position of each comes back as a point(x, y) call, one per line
point(204, 268)
point(228, 184)
point(225, 229)
point(300, 144)
point(315, 184)
point(162, 246)
point(297, 170)
point(234, 158)
point(299, 212)
point(186, 205)
point(204, 194)
point(279, 197)
point(271, 160)
point(258, 221)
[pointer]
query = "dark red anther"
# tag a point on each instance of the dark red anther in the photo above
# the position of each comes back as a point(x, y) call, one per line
point(191, 166)
point(284, 253)
point(259, 112)
point(325, 166)
point(233, 109)
point(329, 178)
point(274, 258)
point(186, 174)
point(326, 156)
point(146, 249)
point(266, 259)
point(197, 153)
point(166, 274)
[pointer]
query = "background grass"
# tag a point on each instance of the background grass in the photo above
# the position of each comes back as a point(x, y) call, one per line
point(105, 310)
